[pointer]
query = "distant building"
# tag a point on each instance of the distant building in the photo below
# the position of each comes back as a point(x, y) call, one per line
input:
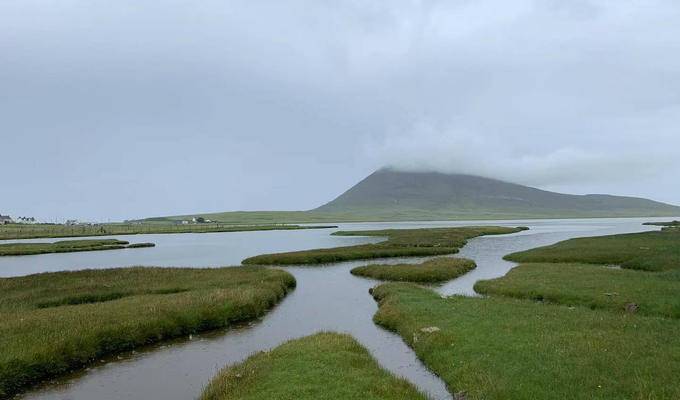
point(72, 222)
point(5, 219)
point(26, 220)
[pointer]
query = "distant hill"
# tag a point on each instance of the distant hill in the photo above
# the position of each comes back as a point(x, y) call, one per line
point(390, 195)
point(391, 192)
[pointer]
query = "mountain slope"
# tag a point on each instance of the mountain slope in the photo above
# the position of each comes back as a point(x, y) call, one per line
point(388, 192)
point(389, 195)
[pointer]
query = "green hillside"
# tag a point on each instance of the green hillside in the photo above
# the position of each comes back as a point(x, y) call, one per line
point(390, 195)
point(390, 191)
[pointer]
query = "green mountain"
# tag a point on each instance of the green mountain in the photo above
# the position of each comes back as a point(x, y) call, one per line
point(390, 195)
point(388, 192)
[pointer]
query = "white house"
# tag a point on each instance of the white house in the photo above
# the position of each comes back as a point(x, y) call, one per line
point(5, 219)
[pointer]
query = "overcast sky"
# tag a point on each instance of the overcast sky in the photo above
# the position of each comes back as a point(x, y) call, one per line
point(127, 108)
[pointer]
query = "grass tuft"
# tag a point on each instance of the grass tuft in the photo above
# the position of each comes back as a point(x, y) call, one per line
point(325, 366)
point(67, 246)
point(439, 269)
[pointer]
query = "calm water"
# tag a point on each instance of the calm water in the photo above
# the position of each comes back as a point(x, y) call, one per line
point(326, 298)
point(173, 250)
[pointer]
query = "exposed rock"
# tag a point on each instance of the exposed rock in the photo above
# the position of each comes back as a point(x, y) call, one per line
point(430, 329)
point(632, 307)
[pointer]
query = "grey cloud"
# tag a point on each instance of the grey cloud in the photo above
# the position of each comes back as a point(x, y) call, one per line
point(126, 108)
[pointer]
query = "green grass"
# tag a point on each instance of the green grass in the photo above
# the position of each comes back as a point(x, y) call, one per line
point(502, 348)
point(19, 231)
point(650, 279)
point(399, 243)
point(590, 286)
point(67, 246)
point(53, 323)
point(378, 214)
point(439, 269)
point(326, 366)
point(648, 251)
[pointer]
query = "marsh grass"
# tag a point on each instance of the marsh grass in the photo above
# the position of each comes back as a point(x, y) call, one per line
point(67, 246)
point(19, 231)
point(140, 245)
point(503, 348)
point(325, 366)
point(648, 251)
point(649, 280)
point(53, 323)
point(399, 243)
point(591, 286)
point(439, 269)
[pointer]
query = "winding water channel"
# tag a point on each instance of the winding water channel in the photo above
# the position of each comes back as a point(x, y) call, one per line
point(326, 298)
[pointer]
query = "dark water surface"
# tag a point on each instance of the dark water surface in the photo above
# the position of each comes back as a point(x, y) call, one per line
point(326, 298)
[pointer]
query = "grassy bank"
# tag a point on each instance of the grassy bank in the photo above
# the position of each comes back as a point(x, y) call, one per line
point(440, 269)
point(323, 366)
point(67, 246)
point(649, 251)
point(19, 231)
point(648, 284)
point(399, 243)
point(500, 348)
point(53, 323)
point(591, 286)
point(666, 223)
point(380, 214)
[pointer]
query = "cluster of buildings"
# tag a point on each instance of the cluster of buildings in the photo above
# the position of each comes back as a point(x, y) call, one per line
point(195, 220)
point(6, 219)
point(75, 222)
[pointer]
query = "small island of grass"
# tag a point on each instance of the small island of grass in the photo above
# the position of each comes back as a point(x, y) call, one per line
point(666, 226)
point(67, 246)
point(436, 270)
point(399, 243)
point(666, 223)
point(648, 251)
point(321, 366)
point(53, 323)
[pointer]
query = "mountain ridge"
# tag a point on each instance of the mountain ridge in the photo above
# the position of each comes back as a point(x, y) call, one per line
point(390, 190)
point(391, 195)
